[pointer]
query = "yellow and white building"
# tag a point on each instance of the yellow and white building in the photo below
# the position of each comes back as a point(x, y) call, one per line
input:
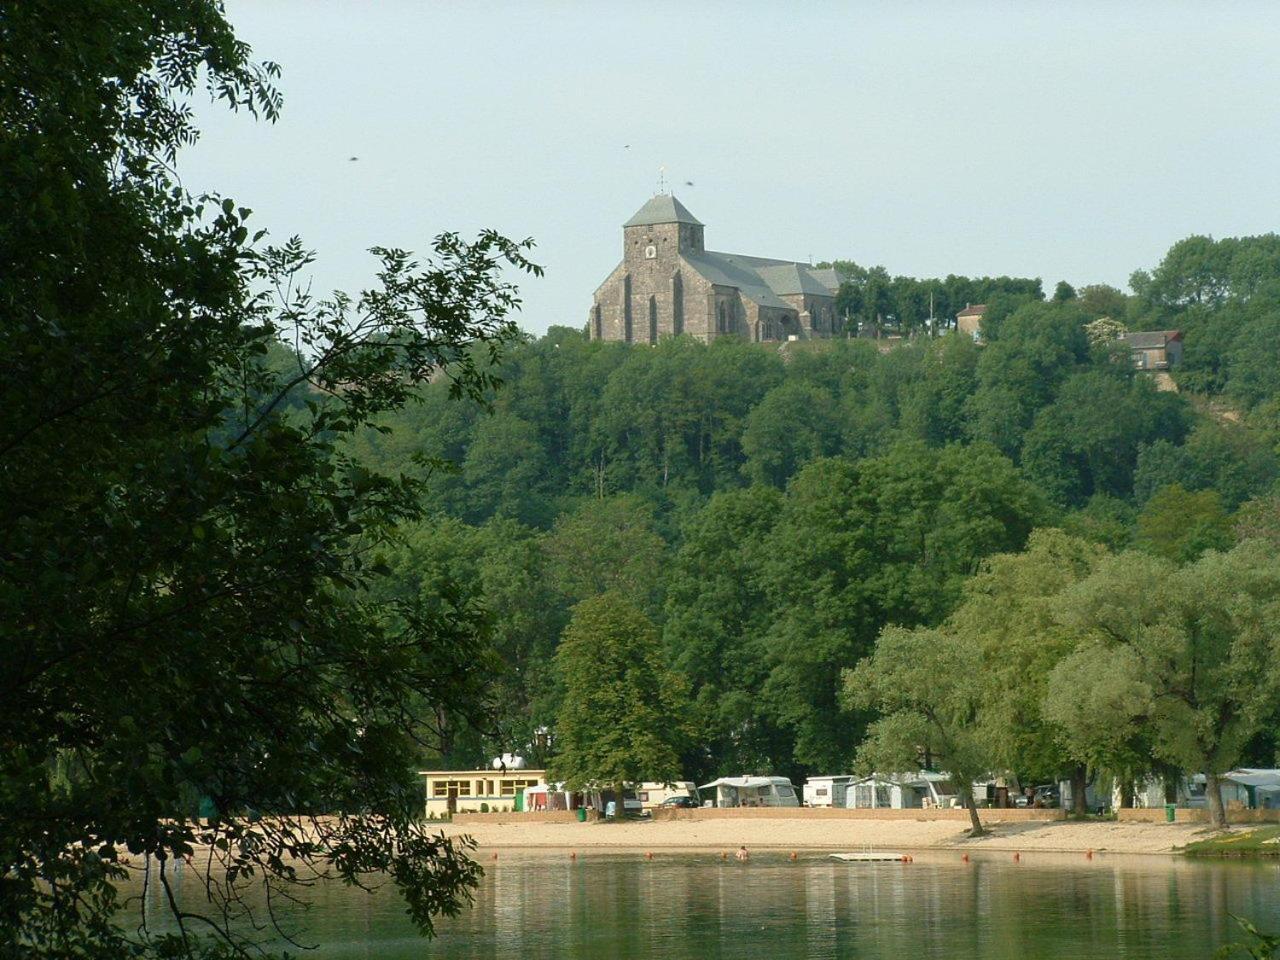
point(464, 791)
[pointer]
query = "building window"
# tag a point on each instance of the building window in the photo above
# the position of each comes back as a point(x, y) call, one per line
point(721, 325)
point(439, 789)
point(653, 319)
point(677, 305)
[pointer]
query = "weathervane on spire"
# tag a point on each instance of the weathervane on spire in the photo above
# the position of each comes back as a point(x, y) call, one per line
point(662, 179)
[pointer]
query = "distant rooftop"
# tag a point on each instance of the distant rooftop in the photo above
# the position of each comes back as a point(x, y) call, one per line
point(973, 310)
point(1151, 339)
point(664, 208)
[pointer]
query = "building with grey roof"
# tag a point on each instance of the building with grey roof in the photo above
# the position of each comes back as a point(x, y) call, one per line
point(668, 283)
point(1155, 349)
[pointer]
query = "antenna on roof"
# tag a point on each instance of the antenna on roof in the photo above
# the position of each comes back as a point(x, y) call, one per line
point(662, 179)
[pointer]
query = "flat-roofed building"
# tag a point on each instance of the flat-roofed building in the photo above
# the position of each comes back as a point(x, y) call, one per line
point(463, 791)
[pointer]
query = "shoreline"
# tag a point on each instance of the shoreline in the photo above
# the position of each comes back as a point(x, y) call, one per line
point(1058, 837)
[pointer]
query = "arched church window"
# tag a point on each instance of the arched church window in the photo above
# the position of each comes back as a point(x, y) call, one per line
point(653, 319)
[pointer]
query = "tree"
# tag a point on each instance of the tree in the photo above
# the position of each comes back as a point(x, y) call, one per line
point(1008, 616)
point(858, 545)
point(1063, 292)
point(1179, 525)
point(1259, 519)
point(1087, 441)
point(1104, 332)
point(1105, 520)
point(1097, 701)
point(622, 717)
point(496, 572)
point(717, 616)
point(187, 548)
point(792, 425)
point(506, 471)
point(1202, 639)
point(1103, 301)
point(927, 687)
point(606, 545)
point(1236, 460)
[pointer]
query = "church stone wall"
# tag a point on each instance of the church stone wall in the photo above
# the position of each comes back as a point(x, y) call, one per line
point(648, 297)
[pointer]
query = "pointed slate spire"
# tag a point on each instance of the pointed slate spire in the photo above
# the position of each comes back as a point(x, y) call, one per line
point(663, 208)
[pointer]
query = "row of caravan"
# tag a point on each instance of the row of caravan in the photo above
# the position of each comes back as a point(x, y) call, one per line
point(518, 788)
point(878, 791)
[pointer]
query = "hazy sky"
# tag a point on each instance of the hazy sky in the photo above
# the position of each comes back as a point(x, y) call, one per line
point(1061, 140)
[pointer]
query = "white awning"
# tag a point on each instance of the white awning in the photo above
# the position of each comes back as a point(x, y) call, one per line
point(1254, 777)
point(739, 783)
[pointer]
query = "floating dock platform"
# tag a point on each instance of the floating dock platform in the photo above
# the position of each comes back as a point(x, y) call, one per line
point(869, 857)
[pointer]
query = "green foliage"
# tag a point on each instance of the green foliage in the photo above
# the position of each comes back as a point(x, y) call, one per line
point(927, 687)
point(1236, 460)
point(188, 545)
point(1201, 640)
point(1225, 297)
point(607, 545)
point(792, 425)
point(1259, 519)
point(497, 571)
point(623, 713)
point(1105, 520)
point(1260, 946)
point(1087, 441)
point(858, 545)
point(717, 615)
point(1008, 616)
point(1103, 300)
point(1180, 525)
point(873, 301)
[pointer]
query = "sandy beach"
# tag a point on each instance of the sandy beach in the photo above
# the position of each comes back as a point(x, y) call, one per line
point(793, 834)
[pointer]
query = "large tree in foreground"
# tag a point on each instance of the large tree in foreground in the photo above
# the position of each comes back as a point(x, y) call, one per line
point(184, 549)
point(622, 719)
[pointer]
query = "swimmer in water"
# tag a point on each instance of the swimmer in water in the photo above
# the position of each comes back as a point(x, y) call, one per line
point(742, 855)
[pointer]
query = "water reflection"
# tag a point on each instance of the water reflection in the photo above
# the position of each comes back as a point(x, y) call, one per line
point(686, 906)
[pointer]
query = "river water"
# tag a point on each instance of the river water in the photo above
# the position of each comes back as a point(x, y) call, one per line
point(680, 906)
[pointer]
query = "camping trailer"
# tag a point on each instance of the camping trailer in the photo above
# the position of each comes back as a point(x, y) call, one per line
point(901, 791)
point(826, 791)
point(752, 792)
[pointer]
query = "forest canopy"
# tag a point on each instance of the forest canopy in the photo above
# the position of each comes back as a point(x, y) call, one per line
point(774, 508)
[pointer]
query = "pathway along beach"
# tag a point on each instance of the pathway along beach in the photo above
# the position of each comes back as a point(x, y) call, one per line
point(797, 834)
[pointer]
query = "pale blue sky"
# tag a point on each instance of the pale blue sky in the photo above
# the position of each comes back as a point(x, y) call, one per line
point(1060, 140)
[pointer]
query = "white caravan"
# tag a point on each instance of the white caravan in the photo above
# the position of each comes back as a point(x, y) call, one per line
point(826, 791)
point(752, 792)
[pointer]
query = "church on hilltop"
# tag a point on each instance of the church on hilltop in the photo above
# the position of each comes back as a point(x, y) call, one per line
point(669, 283)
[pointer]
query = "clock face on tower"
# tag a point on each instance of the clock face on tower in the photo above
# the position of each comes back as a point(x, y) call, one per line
point(651, 252)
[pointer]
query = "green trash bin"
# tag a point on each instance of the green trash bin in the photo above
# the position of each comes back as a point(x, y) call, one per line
point(582, 814)
point(1170, 812)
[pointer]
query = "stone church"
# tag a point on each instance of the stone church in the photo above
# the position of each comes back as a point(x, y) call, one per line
point(669, 283)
